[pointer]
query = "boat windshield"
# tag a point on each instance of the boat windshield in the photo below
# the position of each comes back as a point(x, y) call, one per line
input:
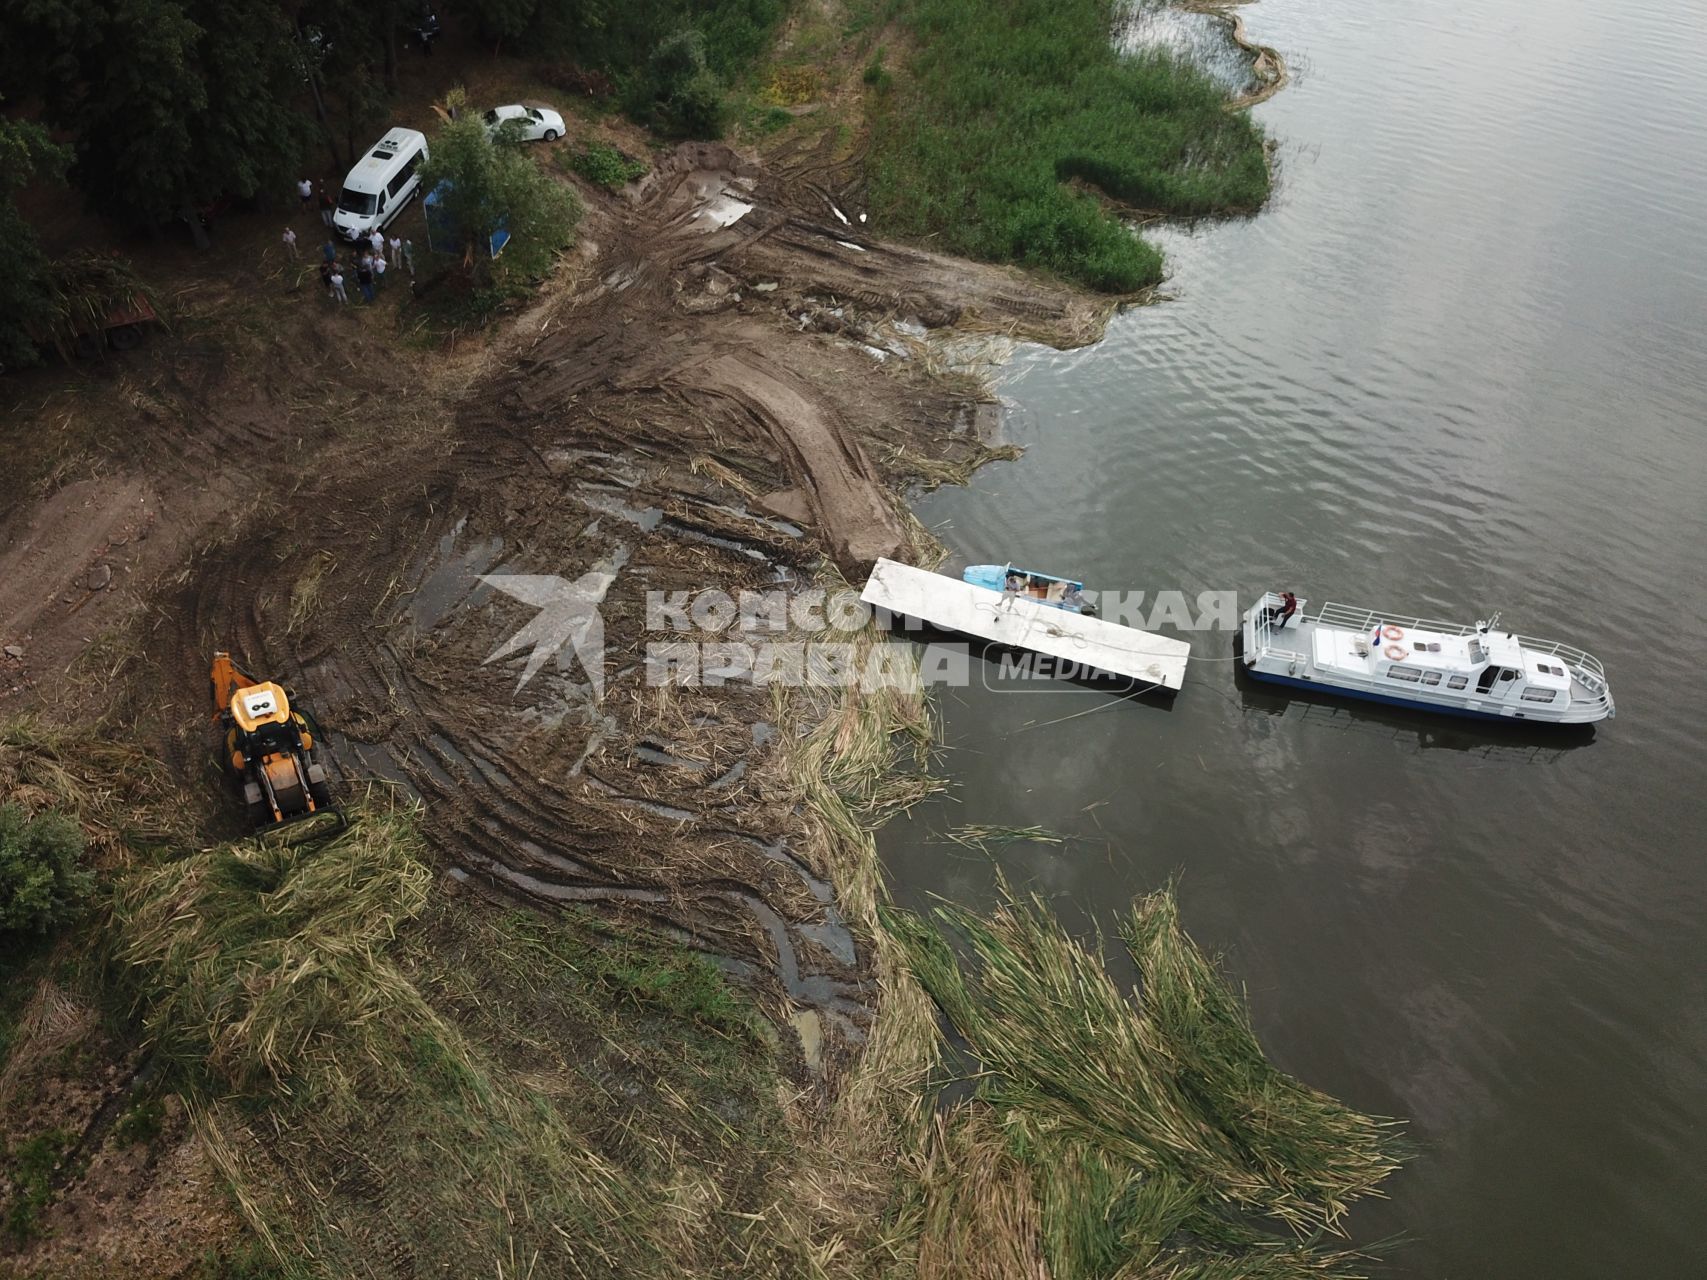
point(359, 203)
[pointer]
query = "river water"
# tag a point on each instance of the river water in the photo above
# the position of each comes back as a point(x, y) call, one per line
point(1457, 366)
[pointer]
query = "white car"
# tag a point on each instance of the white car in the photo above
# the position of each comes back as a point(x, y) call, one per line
point(538, 124)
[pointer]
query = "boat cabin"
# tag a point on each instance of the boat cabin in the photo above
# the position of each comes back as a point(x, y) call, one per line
point(1487, 662)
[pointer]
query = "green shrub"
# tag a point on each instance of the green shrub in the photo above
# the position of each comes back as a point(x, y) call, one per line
point(775, 118)
point(41, 884)
point(697, 109)
point(876, 75)
point(29, 1167)
point(483, 186)
point(680, 94)
point(604, 165)
point(141, 1125)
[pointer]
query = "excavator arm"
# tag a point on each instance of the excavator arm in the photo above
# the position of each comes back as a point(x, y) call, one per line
point(226, 680)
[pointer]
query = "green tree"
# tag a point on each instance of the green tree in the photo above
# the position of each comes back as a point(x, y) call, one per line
point(484, 184)
point(142, 89)
point(25, 152)
point(41, 882)
point(173, 102)
point(679, 92)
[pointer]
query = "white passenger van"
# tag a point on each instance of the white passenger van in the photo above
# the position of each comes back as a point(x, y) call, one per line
point(383, 181)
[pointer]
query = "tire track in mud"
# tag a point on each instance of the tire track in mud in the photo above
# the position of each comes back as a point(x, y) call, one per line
point(540, 794)
point(642, 427)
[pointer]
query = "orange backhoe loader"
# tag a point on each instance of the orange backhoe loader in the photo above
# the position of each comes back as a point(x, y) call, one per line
point(271, 750)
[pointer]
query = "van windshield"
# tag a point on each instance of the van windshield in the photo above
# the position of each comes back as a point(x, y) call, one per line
point(357, 202)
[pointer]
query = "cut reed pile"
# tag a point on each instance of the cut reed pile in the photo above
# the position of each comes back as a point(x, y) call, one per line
point(362, 1131)
point(857, 758)
point(977, 835)
point(1156, 1137)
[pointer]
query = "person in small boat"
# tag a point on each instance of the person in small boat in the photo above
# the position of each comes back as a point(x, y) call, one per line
point(1015, 583)
point(1075, 599)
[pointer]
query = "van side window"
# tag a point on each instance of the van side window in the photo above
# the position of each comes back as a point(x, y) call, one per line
point(403, 175)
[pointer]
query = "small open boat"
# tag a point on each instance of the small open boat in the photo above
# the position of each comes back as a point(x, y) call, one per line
point(1478, 671)
point(1045, 588)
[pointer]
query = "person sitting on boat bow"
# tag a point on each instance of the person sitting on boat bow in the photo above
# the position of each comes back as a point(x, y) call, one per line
point(1279, 614)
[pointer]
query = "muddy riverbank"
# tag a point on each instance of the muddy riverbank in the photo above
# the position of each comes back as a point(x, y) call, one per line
point(719, 392)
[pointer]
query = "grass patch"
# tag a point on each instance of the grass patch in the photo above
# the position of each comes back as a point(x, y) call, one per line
point(1145, 1136)
point(249, 1260)
point(1012, 107)
point(140, 1125)
point(30, 1167)
point(23, 960)
point(605, 166)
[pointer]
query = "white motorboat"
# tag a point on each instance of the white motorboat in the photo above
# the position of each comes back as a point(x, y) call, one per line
point(1478, 671)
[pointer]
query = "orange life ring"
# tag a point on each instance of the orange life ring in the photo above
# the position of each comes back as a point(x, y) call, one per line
point(1391, 632)
point(1395, 653)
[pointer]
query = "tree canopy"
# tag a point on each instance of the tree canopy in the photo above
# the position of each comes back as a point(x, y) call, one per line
point(482, 183)
point(173, 103)
point(25, 151)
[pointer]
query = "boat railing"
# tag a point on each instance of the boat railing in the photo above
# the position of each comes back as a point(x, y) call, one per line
point(1354, 619)
point(1264, 631)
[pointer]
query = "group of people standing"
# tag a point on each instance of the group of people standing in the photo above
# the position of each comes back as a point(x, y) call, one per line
point(369, 260)
point(368, 264)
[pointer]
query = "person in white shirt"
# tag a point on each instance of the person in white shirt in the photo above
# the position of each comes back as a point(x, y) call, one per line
point(396, 254)
point(305, 189)
point(378, 269)
point(337, 283)
point(289, 238)
point(377, 240)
